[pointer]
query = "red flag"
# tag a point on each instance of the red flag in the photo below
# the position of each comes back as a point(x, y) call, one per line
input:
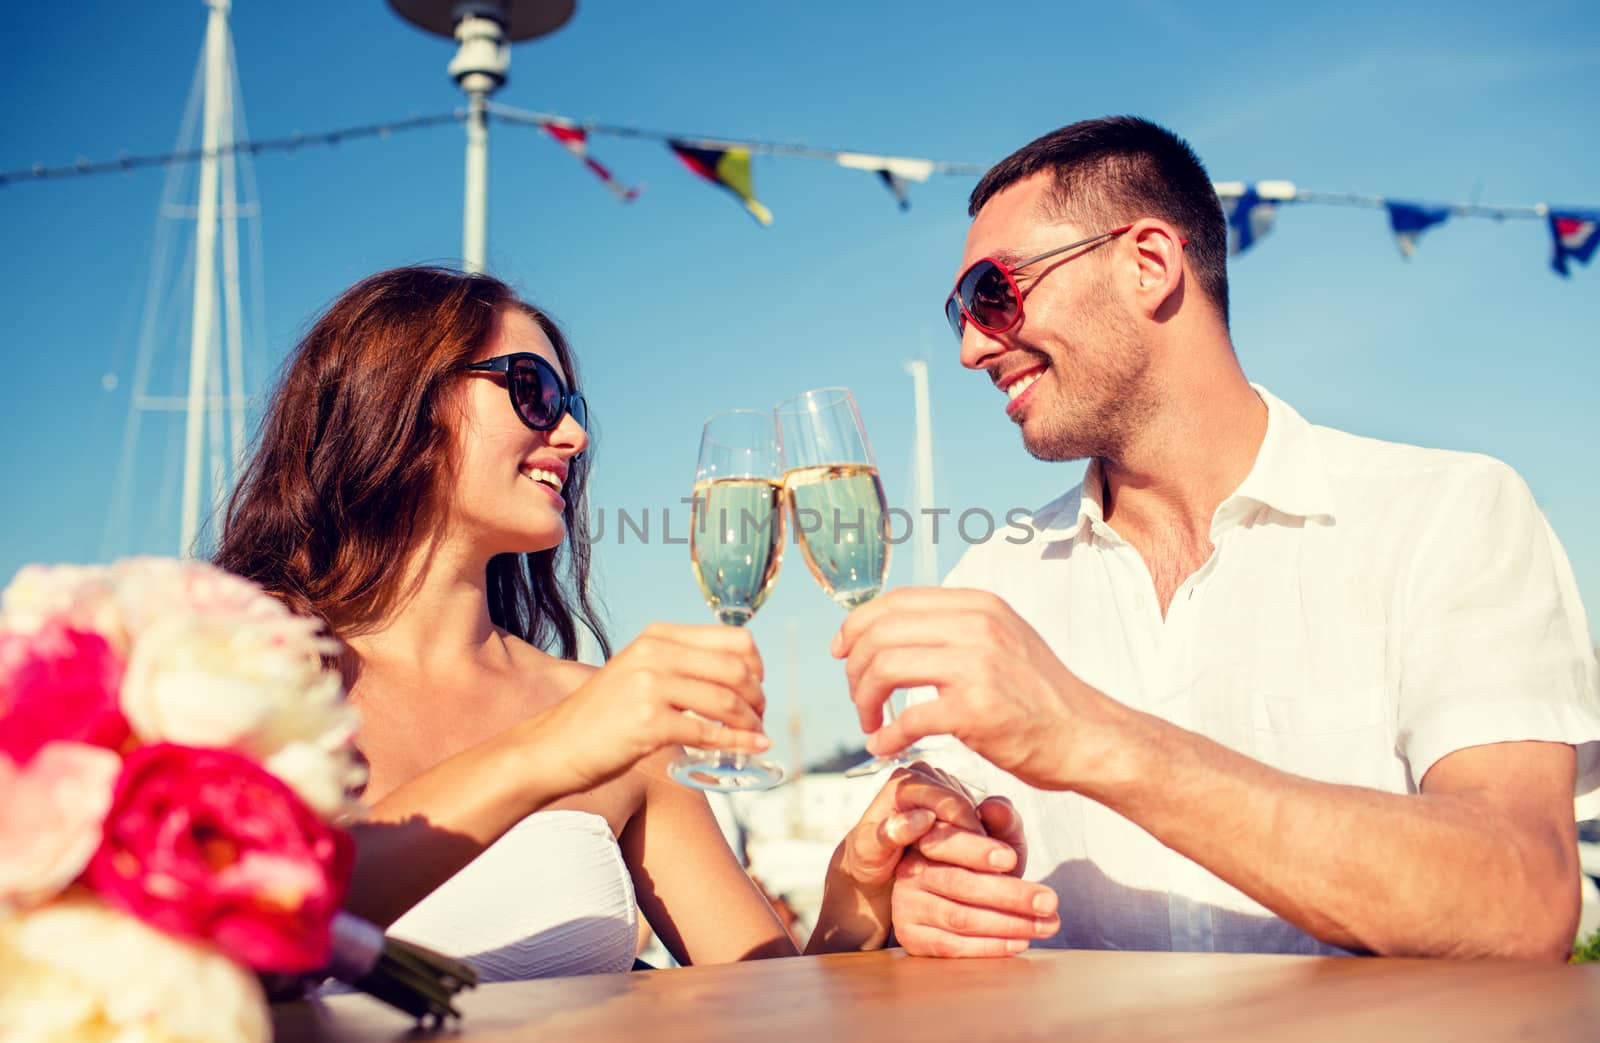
point(1576, 234)
point(576, 141)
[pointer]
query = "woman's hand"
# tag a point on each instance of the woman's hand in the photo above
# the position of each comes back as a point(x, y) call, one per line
point(641, 701)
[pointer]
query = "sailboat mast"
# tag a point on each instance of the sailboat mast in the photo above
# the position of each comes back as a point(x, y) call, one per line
point(925, 554)
point(201, 344)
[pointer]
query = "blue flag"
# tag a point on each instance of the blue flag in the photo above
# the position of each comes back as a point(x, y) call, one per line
point(1409, 221)
point(1576, 234)
point(1249, 218)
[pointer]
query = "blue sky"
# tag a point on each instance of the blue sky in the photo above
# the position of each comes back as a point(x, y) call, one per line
point(680, 305)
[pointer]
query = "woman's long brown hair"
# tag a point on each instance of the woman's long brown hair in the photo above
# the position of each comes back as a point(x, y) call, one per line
point(358, 440)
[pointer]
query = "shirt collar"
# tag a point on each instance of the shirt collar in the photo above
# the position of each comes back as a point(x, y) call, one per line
point(1068, 516)
point(1288, 476)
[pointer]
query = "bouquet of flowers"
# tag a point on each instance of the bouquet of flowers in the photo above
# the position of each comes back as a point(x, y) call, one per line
point(173, 758)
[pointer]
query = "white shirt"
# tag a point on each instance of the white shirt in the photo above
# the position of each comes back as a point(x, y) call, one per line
point(1367, 609)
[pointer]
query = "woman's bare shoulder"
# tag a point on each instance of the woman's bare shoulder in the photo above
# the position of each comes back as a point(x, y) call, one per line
point(546, 660)
point(567, 675)
point(556, 678)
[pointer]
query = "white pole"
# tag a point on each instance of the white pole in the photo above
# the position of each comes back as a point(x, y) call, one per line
point(925, 561)
point(234, 396)
point(216, 440)
point(475, 215)
point(479, 68)
point(205, 274)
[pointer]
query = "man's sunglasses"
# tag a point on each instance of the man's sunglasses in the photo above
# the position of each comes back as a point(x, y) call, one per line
point(986, 294)
point(537, 392)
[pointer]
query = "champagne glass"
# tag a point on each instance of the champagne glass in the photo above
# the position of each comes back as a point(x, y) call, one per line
point(836, 499)
point(735, 548)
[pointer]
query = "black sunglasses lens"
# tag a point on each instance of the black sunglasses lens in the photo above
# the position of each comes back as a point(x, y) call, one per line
point(579, 410)
point(536, 392)
point(988, 296)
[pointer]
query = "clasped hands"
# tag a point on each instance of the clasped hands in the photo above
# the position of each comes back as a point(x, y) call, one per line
point(945, 872)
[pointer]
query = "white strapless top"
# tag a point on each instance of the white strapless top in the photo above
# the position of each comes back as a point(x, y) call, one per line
point(550, 898)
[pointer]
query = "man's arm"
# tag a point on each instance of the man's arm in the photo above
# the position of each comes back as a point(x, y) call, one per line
point(1481, 863)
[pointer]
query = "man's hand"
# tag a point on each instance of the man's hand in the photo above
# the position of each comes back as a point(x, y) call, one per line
point(956, 897)
point(1002, 691)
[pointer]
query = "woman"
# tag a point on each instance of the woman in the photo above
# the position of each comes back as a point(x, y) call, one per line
point(421, 468)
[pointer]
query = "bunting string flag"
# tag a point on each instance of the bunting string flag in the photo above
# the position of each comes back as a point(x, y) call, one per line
point(576, 141)
point(894, 171)
point(897, 187)
point(1251, 208)
point(729, 168)
point(1409, 221)
point(1249, 218)
point(1575, 234)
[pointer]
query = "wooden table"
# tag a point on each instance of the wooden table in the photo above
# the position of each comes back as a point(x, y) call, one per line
point(888, 996)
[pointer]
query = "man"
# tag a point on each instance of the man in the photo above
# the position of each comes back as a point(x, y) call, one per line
point(1254, 685)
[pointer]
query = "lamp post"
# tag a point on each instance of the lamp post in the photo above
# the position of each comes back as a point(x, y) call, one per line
point(484, 29)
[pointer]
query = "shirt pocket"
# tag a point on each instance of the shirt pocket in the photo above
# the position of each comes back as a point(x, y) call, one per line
point(1324, 713)
point(1340, 736)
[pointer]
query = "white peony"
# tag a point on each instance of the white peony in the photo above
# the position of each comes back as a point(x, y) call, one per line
point(253, 682)
point(83, 597)
point(150, 590)
point(324, 778)
point(75, 970)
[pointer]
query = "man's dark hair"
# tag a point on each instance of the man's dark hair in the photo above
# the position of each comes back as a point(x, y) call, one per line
point(1117, 169)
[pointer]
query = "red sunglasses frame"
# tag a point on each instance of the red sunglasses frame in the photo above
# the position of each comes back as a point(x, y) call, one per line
point(1006, 271)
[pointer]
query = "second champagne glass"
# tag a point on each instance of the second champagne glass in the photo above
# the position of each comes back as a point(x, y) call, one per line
point(836, 499)
point(735, 547)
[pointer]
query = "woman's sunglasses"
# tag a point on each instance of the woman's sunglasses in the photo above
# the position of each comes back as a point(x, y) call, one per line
point(537, 393)
point(986, 294)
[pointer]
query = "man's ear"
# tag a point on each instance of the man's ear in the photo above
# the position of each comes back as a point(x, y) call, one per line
point(1158, 250)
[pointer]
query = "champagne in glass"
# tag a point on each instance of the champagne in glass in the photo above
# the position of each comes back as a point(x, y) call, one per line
point(848, 564)
point(837, 504)
point(736, 543)
point(735, 549)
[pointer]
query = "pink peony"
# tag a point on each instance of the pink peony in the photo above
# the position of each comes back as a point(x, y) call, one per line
point(50, 818)
point(206, 844)
point(58, 684)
